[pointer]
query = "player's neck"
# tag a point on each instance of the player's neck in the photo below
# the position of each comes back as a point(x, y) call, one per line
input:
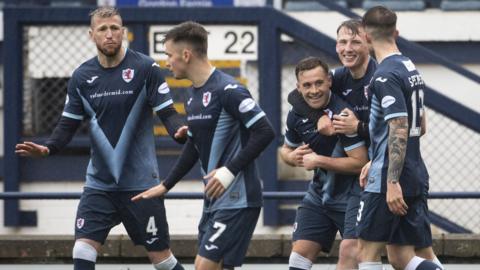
point(200, 72)
point(384, 49)
point(111, 61)
point(359, 72)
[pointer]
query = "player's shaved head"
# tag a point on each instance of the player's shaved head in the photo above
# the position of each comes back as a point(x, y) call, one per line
point(103, 12)
point(380, 22)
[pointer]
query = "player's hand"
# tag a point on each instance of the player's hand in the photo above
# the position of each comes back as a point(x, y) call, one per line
point(218, 181)
point(310, 161)
point(181, 133)
point(363, 179)
point(156, 191)
point(296, 156)
point(346, 122)
point(325, 126)
point(395, 201)
point(30, 149)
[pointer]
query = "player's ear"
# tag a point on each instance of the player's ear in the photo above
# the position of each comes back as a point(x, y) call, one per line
point(90, 33)
point(396, 34)
point(186, 55)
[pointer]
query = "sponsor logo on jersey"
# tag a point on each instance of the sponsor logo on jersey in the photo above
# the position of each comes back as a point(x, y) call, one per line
point(246, 105)
point(230, 86)
point(189, 101)
point(163, 88)
point(409, 65)
point(346, 92)
point(92, 79)
point(152, 240)
point(207, 96)
point(127, 75)
point(380, 79)
point(80, 223)
point(304, 120)
point(387, 101)
point(210, 247)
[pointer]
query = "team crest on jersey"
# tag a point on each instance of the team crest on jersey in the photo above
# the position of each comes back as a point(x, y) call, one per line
point(329, 113)
point(365, 90)
point(80, 223)
point(127, 74)
point(207, 96)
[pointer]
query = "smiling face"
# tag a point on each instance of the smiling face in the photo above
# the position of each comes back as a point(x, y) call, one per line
point(314, 85)
point(107, 34)
point(352, 49)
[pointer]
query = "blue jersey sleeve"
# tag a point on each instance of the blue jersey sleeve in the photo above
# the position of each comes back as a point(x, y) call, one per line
point(73, 103)
point(292, 139)
point(238, 102)
point(388, 90)
point(158, 92)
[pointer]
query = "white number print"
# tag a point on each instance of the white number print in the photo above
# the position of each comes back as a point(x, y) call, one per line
point(151, 228)
point(221, 228)
point(417, 113)
point(360, 209)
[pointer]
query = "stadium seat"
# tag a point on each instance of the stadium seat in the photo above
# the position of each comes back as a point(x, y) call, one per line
point(398, 5)
point(454, 5)
point(309, 5)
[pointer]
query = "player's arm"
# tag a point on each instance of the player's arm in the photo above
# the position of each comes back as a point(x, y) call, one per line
point(351, 164)
point(397, 148)
point(65, 129)
point(294, 156)
point(347, 123)
point(61, 136)
point(174, 123)
point(301, 107)
point(158, 94)
point(183, 165)
point(423, 123)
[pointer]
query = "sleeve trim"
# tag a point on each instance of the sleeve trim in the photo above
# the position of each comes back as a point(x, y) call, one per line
point(395, 115)
point(73, 116)
point(291, 144)
point(255, 119)
point(351, 147)
point(163, 105)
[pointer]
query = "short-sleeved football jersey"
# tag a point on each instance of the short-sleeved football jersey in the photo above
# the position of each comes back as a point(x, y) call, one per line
point(219, 114)
point(328, 188)
point(354, 91)
point(118, 102)
point(397, 91)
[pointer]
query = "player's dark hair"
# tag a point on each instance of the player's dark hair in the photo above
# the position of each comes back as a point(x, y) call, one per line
point(310, 63)
point(354, 25)
point(381, 22)
point(104, 12)
point(192, 33)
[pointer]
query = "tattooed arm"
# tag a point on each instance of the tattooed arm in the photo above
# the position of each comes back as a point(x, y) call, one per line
point(397, 147)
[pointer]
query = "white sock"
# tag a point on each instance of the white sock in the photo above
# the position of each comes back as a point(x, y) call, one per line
point(298, 261)
point(167, 264)
point(413, 263)
point(370, 266)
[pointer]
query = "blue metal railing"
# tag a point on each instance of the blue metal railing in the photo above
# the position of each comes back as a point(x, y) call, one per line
point(268, 195)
